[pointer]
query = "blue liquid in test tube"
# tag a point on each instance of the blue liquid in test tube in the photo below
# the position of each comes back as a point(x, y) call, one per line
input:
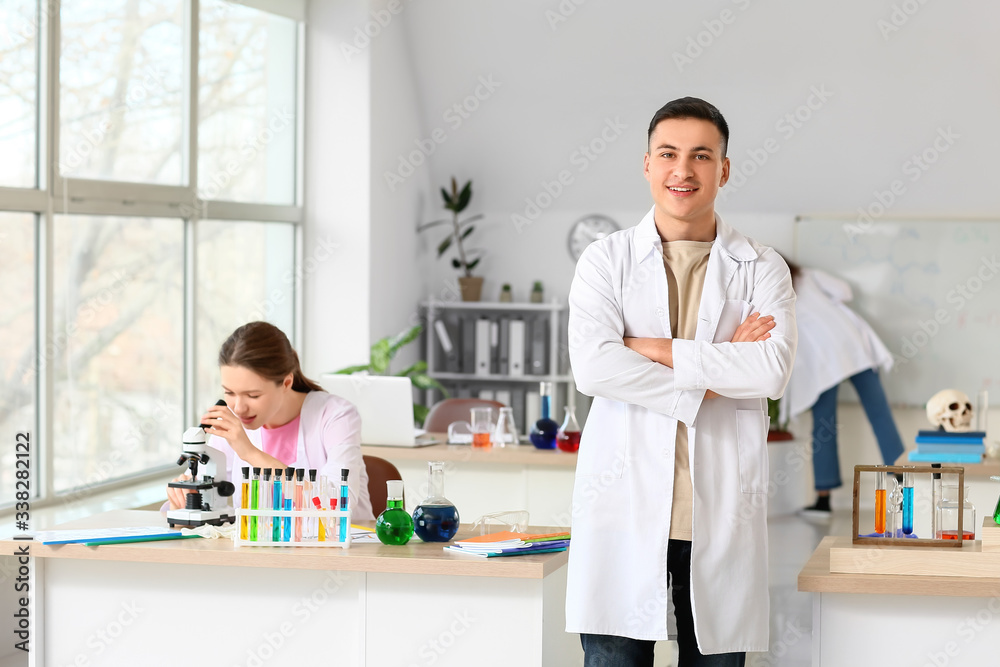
point(907, 503)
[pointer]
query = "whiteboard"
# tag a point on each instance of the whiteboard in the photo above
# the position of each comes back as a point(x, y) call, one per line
point(929, 288)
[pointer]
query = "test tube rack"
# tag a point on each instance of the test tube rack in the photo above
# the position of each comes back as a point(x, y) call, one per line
point(900, 541)
point(333, 516)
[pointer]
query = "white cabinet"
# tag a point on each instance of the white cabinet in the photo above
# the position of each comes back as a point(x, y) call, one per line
point(473, 349)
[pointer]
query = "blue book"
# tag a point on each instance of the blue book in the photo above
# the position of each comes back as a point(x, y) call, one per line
point(946, 458)
point(925, 448)
point(951, 434)
point(935, 440)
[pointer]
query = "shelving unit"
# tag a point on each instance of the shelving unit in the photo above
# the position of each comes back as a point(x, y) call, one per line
point(458, 375)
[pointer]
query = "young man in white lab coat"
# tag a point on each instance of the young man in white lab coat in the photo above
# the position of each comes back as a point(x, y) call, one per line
point(680, 327)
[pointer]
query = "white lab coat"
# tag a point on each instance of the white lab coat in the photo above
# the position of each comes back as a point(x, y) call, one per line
point(834, 341)
point(625, 467)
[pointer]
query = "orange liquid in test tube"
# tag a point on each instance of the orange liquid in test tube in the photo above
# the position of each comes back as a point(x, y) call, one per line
point(879, 510)
point(481, 441)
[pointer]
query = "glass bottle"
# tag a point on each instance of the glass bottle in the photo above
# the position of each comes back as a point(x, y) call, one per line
point(506, 431)
point(435, 519)
point(996, 512)
point(543, 433)
point(568, 438)
point(394, 525)
point(950, 508)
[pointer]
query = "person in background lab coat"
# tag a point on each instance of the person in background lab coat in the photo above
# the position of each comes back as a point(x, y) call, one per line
point(679, 327)
point(276, 417)
point(835, 344)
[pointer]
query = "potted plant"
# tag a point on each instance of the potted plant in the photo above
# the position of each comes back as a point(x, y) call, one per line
point(778, 431)
point(383, 350)
point(457, 201)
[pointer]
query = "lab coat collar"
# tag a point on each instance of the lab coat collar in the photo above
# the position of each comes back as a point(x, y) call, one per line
point(647, 239)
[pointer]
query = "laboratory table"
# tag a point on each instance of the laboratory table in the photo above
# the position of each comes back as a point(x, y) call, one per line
point(878, 619)
point(150, 603)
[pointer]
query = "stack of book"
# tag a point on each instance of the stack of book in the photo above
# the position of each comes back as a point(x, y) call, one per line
point(949, 446)
point(508, 543)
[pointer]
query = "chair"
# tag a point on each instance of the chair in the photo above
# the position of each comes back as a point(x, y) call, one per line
point(443, 413)
point(379, 472)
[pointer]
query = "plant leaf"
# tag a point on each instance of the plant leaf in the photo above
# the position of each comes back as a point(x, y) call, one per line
point(444, 245)
point(421, 381)
point(381, 356)
point(419, 367)
point(447, 199)
point(464, 197)
point(471, 265)
point(468, 230)
point(473, 218)
point(455, 263)
point(404, 337)
point(352, 369)
point(435, 223)
point(420, 413)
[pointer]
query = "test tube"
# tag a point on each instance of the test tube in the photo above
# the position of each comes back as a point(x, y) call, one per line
point(245, 502)
point(344, 520)
point(907, 503)
point(935, 498)
point(880, 503)
point(312, 522)
point(277, 503)
point(264, 529)
point(300, 474)
point(318, 504)
point(289, 491)
point(254, 498)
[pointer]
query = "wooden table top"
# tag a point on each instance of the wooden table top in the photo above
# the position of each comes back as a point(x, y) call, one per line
point(415, 557)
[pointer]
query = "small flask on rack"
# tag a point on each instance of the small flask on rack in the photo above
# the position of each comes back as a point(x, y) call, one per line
point(436, 518)
point(568, 438)
point(394, 525)
point(951, 507)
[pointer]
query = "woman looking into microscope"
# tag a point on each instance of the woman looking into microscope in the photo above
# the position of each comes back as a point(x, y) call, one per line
point(275, 417)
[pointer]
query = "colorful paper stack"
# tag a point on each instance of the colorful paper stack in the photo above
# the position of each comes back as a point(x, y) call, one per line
point(949, 446)
point(509, 543)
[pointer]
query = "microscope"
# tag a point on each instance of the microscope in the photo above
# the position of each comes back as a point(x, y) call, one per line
point(208, 503)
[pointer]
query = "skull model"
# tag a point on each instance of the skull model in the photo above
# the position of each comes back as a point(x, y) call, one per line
point(951, 410)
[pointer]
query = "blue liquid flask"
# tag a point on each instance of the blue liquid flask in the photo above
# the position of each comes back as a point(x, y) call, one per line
point(436, 518)
point(544, 432)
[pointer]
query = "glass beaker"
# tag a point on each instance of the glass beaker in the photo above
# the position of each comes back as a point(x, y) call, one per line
point(951, 507)
point(482, 427)
point(568, 438)
point(436, 518)
point(505, 432)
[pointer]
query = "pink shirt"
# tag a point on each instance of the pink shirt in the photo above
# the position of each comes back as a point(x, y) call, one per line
point(282, 441)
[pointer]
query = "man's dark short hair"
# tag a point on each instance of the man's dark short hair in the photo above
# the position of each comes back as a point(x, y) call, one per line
point(691, 107)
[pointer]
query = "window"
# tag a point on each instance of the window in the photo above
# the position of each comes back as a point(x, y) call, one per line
point(229, 295)
point(99, 263)
point(246, 95)
point(18, 93)
point(120, 92)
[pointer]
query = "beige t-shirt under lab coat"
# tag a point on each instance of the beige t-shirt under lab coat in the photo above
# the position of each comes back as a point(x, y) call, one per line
point(686, 263)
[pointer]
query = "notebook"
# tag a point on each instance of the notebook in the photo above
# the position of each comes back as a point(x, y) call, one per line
point(385, 404)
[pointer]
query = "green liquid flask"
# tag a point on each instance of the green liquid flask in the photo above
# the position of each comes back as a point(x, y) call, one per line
point(394, 525)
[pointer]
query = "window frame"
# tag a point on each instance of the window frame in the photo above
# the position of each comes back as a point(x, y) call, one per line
point(55, 194)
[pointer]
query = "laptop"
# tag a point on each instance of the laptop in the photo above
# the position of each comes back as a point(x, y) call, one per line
point(385, 404)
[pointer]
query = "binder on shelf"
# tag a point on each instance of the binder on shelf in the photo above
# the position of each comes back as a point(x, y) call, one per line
point(503, 344)
point(516, 350)
point(449, 352)
point(503, 396)
point(486, 395)
point(539, 343)
point(468, 355)
point(482, 347)
point(532, 409)
point(494, 347)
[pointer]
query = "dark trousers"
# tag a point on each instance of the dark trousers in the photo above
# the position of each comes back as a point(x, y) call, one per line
point(611, 651)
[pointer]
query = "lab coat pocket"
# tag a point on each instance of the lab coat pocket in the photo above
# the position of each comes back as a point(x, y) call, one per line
point(734, 311)
point(751, 440)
